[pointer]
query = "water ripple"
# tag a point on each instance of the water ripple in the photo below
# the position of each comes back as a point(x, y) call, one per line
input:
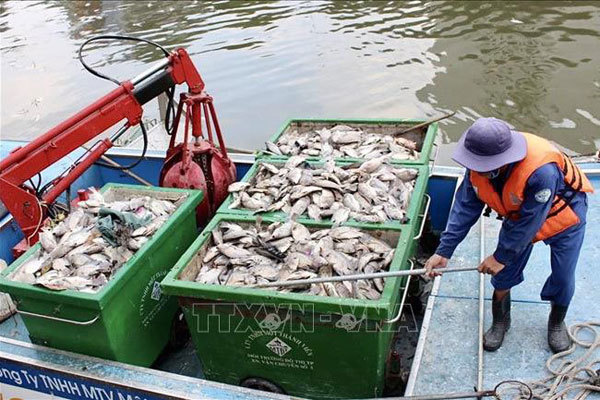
point(534, 63)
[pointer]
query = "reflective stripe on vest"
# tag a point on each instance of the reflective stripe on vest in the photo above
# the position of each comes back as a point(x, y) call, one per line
point(539, 152)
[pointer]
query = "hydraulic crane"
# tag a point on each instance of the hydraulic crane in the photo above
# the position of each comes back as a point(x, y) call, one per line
point(196, 164)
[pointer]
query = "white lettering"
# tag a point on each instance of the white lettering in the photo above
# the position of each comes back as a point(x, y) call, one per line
point(45, 380)
point(109, 395)
point(91, 392)
point(31, 379)
point(74, 388)
point(12, 375)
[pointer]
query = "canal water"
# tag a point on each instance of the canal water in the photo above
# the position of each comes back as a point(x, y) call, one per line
point(535, 64)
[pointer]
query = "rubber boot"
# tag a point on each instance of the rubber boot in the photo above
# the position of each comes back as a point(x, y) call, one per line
point(493, 338)
point(558, 337)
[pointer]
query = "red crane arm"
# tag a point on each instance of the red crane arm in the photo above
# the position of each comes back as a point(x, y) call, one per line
point(123, 103)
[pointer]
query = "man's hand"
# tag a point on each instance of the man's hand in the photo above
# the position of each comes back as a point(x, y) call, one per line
point(435, 261)
point(490, 266)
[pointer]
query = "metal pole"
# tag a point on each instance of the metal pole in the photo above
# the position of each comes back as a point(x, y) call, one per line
point(150, 71)
point(426, 123)
point(238, 150)
point(357, 277)
point(128, 172)
point(454, 395)
point(481, 306)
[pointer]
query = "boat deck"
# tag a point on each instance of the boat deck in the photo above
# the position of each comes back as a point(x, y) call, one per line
point(446, 356)
point(447, 353)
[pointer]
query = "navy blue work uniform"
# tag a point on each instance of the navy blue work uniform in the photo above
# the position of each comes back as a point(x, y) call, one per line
point(515, 239)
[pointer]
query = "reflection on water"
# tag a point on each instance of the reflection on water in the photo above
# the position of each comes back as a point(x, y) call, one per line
point(536, 64)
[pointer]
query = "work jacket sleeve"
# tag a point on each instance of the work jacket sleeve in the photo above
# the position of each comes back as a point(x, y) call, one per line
point(464, 213)
point(515, 235)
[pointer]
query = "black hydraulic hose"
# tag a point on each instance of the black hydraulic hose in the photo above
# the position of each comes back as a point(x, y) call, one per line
point(136, 162)
point(171, 92)
point(113, 37)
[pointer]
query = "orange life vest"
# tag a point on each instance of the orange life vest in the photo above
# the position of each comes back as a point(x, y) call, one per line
point(539, 152)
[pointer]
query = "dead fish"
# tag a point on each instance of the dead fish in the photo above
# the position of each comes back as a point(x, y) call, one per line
point(283, 230)
point(343, 140)
point(296, 260)
point(74, 248)
point(60, 264)
point(339, 262)
point(374, 197)
point(327, 199)
point(210, 254)
point(351, 202)
point(237, 186)
point(266, 271)
point(344, 233)
point(217, 236)
point(301, 254)
point(340, 215)
point(79, 259)
point(250, 202)
point(372, 165)
point(303, 191)
point(232, 251)
point(299, 207)
point(345, 137)
point(269, 167)
point(294, 161)
point(407, 174)
point(295, 175)
point(136, 243)
point(33, 265)
point(273, 148)
point(366, 291)
point(367, 191)
point(241, 278)
point(47, 240)
point(300, 233)
point(210, 277)
point(376, 245)
point(314, 212)
point(282, 245)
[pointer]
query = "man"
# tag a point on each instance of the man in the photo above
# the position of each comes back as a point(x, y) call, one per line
point(541, 195)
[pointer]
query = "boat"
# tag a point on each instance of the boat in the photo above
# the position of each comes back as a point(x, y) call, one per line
point(444, 360)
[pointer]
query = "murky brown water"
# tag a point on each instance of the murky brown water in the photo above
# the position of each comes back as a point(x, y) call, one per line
point(535, 64)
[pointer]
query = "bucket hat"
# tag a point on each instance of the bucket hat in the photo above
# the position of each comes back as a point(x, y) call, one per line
point(489, 144)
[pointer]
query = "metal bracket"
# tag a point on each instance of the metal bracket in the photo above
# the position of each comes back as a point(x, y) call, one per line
point(424, 216)
point(67, 321)
point(397, 317)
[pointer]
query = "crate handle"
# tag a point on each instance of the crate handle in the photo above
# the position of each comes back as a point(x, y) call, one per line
point(397, 317)
point(424, 215)
point(432, 163)
point(68, 321)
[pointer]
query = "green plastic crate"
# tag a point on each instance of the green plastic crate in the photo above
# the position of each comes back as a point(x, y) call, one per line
point(415, 205)
point(309, 346)
point(424, 137)
point(129, 319)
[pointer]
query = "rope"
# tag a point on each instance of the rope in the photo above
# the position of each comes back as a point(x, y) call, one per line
point(577, 377)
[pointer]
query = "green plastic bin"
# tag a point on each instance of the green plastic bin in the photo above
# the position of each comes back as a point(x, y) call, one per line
point(415, 205)
point(424, 137)
point(128, 320)
point(303, 345)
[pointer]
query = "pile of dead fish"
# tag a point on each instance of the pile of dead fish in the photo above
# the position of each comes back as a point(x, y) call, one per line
point(344, 141)
point(372, 191)
point(74, 255)
point(283, 251)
